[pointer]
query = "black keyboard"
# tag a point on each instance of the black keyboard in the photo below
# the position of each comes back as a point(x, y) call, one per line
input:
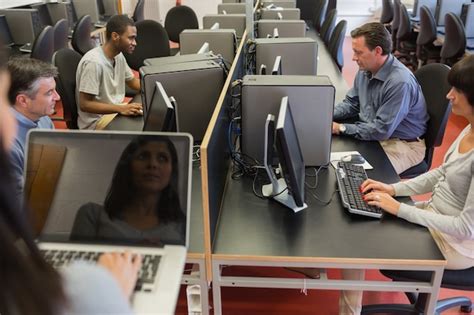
point(146, 275)
point(349, 178)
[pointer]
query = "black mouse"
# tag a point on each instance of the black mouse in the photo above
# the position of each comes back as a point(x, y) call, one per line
point(354, 159)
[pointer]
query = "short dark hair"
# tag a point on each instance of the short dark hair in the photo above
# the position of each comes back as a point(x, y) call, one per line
point(375, 34)
point(25, 73)
point(118, 24)
point(461, 77)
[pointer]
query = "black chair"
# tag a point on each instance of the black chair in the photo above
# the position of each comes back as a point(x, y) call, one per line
point(139, 11)
point(332, 5)
point(319, 14)
point(61, 32)
point(328, 26)
point(81, 37)
point(43, 46)
point(434, 84)
point(180, 18)
point(395, 22)
point(336, 42)
point(387, 13)
point(454, 45)
point(425, 49)
point(152, 41)
point(406, 40)
point(66, 60)
point(452, 279)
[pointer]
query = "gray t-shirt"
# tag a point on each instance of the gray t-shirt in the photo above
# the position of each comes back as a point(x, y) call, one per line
point(102, 77)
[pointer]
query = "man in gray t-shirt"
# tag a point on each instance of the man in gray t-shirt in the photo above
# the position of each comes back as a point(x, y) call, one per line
point(102, 74)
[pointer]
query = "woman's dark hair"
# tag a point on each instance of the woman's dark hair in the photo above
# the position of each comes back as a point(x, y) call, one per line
point(461, 77)
point(29, 284)
point(121, 192)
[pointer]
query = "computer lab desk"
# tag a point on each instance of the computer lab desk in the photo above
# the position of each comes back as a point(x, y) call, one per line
point(256, 232)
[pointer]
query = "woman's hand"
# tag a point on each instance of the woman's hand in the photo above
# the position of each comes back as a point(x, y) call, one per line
point(382, 200)
point(374, 185)
point(124, 268)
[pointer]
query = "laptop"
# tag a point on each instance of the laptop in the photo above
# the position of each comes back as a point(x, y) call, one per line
point(83, 189)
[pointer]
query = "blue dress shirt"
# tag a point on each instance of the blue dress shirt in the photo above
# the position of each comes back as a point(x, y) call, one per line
point(18, 149)
point(389, 104)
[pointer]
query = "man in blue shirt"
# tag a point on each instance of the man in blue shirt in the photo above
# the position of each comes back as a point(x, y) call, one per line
point(33, 97)
point(386, 100)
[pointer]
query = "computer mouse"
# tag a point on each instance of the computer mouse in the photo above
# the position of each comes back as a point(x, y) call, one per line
point(353, 158)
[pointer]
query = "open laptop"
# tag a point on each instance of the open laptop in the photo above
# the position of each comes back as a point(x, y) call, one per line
point(83, 189)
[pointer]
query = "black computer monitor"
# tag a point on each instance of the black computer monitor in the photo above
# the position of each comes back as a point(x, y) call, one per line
point(289, 154)
point(43, 13)
point(161, 112)
point(276, 70)
point(5, 34)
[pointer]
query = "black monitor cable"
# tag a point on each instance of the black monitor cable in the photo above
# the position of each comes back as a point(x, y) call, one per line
point(315, 185)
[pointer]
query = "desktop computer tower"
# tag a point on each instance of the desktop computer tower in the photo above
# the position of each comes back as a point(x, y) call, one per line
point(279, 3)
point(226, 21)
point(158, 61)
point(62, 10)
point(312, 103)
point(196, 86)
point(286, 28)
point(24, 24)
point(221, 41)
point(87, 7)
point(467, 17)
point(298, 55)
point(286, 14)
point(231, 8)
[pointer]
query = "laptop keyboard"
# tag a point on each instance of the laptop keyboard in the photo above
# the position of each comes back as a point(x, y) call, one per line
point(349, 178)
point(146, 275)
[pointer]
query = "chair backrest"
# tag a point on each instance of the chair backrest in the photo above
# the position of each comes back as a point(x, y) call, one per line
point(433, 79)
point(332, 4)
point(67, 60)
point(328, 26)
point(152, 41)
point(427, 32)
point(404, 28)
point(336, 42)
point(319, 13)
point(396, 15)
point(61, 31)
point(387, 11)
point(454, 45)
point(180, 18)
point(139, 12)
point(43, 46)
point(81, 37)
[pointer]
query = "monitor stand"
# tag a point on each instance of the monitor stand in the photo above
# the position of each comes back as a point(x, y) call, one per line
point(278, 191)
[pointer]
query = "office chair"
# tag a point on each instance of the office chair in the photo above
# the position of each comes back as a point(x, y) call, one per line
point(319, 14)
point(387, 13)
point(454, 45)
point(328, 26)
point(332, 5)
point(67, 60)
point(452, 279)
point(425, 49)
point(178, 19)
point(81, 37)
point(43, 46)
point(336, 42)
point(61, 31)
point(395, 22)
point(406, 40)
point(139, 11)
point(434, 84)
point(152, 42)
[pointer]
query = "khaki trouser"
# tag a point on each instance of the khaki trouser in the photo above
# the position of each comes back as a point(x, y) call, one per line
point(403, 154)
point(104, 121)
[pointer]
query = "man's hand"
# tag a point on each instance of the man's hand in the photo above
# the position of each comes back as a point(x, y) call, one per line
point(131, 109)
point(335, 128)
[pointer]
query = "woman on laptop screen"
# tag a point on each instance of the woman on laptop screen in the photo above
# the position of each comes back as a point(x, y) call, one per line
point(142, 204)
point(29, 284)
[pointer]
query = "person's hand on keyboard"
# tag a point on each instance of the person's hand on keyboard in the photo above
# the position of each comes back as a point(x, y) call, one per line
point(382, 200)
point(373, 185)
point(124, 267)
point(131, 109)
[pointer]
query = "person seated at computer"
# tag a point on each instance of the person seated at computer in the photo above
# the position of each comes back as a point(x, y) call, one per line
point(29, 284)
point(386, 100)
point(102, 74)
point(142, 204)
point(33, 97)
point(449, 214)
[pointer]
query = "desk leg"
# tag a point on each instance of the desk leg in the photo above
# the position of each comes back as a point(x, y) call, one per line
point(433, 295)
point(216, 287)
point(199, 279)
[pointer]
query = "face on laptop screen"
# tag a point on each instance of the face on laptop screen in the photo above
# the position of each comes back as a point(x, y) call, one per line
point(109, 188)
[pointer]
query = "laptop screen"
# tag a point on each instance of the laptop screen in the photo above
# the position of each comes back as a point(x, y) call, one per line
point(109, 188)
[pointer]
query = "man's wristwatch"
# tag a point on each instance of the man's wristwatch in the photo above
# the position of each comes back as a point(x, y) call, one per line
point(342, 128)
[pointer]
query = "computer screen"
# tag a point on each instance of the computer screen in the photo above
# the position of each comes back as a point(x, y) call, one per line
point(289, 153)
point(5, 34)
point(161, 112)
point(276, 70)
point(87, 7)
point(43, 13)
